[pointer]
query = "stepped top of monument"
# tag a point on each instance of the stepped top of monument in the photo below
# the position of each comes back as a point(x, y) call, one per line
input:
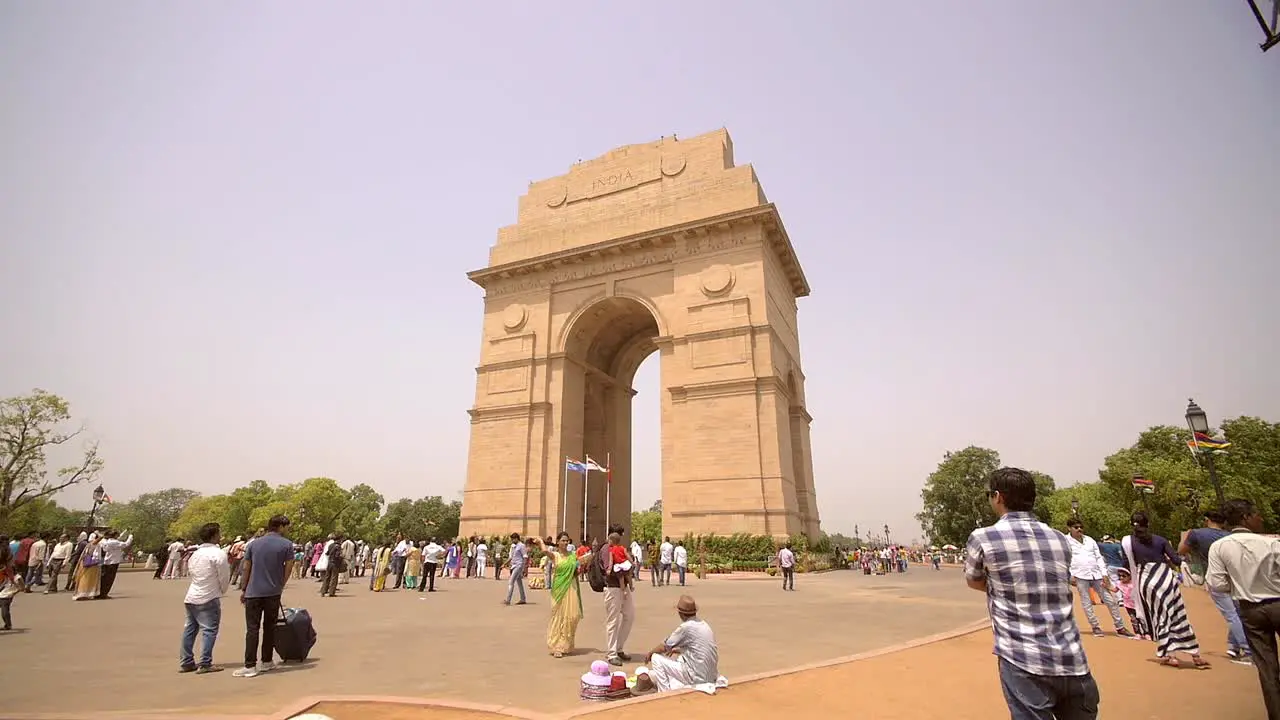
point(630, 190)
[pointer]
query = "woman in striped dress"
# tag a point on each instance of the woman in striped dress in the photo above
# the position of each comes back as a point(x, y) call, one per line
point(1157, 594)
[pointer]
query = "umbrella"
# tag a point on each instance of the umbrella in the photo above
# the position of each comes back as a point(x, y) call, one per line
point(933, 547)
point(950, 547)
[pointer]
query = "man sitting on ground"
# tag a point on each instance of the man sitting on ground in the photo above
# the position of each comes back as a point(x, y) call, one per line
point(689, 656)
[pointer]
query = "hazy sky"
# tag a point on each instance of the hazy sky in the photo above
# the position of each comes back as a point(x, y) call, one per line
point(236, 234)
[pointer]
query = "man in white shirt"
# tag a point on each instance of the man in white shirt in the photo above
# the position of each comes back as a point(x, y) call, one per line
point(210, 573)
point(113, 551)
point(666, 553)
point(688, 657)
point(57, 559)
point(637, 553)
point(1246, 565)
point(35, 573)
point(174, 563)
point(397, 561)
point(1089, 572)
point(787, 564)
point(432, 557)
point(681, 556)
point(348, 559)
point(482, 558)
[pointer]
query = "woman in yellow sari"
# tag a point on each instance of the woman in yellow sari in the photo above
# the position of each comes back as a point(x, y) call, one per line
point(566, 596)
point(412, 566)
point(381, 567)
point(89, 571)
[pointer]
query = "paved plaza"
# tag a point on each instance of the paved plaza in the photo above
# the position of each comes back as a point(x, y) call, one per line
point(458, 643)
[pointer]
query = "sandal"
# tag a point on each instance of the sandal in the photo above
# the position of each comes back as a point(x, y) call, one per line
point(1200, 663)
point(1170, 661)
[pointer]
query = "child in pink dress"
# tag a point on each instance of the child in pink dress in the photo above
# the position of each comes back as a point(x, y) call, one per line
point(1125, 586)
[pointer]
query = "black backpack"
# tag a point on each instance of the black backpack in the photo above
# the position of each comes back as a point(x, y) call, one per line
point(595, 572)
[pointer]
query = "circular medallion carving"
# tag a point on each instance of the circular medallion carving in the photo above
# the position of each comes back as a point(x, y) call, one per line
point(673, 165)
point(717, 280)
point(513, 318)
point(558, 196)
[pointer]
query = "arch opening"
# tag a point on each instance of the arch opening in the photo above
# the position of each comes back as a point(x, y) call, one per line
point(605, 347)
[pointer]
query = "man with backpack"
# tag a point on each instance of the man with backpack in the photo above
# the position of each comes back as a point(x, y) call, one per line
point(614, 563)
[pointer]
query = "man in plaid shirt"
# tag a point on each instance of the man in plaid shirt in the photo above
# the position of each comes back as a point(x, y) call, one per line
point(1024, 567)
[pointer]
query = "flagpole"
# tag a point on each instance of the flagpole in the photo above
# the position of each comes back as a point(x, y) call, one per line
point(608, 488)
point(586, 475)
point(564, 505)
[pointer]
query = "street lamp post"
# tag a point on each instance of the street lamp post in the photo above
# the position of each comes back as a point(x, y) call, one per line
point(857, 535)
point(886, 534)
point(98, 496)
point(1198, 421)
point(1075, 508)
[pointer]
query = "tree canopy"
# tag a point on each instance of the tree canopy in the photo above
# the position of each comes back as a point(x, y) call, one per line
point(954, 500)
point(31, 426)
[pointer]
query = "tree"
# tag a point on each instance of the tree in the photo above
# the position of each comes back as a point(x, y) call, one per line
point(202, 510)
point(360, 518)
point(42, 515)
point(656, 506)
point(1100, 510)
point(244, 500)
point(1250, 468)
point(955, 495)
point(30, 426)
point(646, 525)
point(422, 518)
point(150, 515)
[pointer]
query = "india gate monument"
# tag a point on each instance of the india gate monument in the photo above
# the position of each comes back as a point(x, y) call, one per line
point(665, 246)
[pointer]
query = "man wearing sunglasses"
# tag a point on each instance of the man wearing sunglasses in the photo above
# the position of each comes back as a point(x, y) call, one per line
point(1024, 567)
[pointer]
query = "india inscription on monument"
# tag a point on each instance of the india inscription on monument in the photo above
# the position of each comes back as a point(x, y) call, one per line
point(661, 247)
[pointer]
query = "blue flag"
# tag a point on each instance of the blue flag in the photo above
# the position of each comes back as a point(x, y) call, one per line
point(574, 466)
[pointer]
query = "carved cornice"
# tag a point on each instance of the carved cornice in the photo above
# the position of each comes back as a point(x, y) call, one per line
point(800, 412)
point(505, 412)
point(648, 248)
point(716, 388)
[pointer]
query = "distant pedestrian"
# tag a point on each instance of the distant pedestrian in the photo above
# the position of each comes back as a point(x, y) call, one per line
point(787, 566)
point(519, 562)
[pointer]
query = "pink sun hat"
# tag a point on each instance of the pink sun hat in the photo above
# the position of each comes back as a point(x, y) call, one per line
point(600, 675)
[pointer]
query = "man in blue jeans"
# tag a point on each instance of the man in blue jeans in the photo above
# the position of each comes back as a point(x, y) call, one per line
point(210, 574)
point(519, 561)
point(1195, 547)
point(1022, 566)
point(266, 570)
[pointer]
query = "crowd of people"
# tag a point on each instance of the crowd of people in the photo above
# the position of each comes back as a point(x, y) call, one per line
point(1027, 570)
point(35, 560)
point(261, 566)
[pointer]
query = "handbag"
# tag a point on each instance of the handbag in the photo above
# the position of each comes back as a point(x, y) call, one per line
point(91, 558)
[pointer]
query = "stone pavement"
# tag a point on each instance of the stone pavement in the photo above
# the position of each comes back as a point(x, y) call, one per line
point(461, 643)
point(954, 678)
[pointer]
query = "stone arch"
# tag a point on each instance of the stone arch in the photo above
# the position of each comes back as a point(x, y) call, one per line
point(575, 321)
point(665, 247)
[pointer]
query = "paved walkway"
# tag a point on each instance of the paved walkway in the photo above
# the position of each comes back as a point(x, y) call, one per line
point(462, 645)
point(953, 678)
point(459, 643)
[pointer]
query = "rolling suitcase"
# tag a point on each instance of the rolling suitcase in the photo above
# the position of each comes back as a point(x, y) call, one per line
point(295, 635)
